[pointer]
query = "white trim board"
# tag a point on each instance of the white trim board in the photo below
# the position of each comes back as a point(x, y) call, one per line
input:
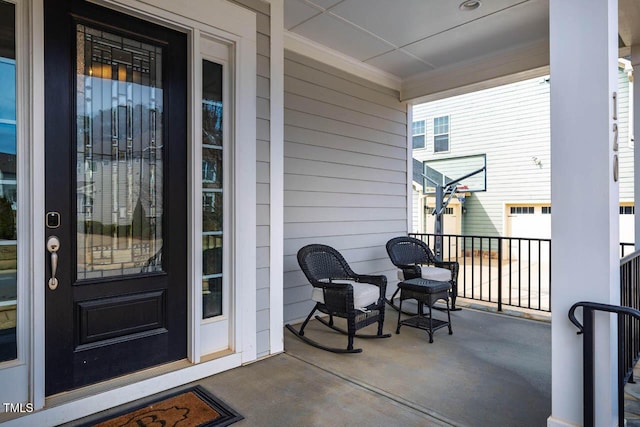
point(303, 46)
point(276, 180)
point(30, 226)
point(206, 15)
point(509, 66)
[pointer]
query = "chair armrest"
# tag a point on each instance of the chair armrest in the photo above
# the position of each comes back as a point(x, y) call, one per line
point(338, 297)
point(378, 280)
point(454, 266)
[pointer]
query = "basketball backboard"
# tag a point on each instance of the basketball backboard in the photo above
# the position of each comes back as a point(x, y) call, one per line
point(468, 173)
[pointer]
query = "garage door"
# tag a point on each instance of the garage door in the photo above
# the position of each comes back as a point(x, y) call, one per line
point(530, 222)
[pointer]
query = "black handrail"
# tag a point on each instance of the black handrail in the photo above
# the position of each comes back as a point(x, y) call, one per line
point(625, 364)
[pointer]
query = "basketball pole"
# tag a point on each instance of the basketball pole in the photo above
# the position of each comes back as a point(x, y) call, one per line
point(449, 188)
point(438, 227)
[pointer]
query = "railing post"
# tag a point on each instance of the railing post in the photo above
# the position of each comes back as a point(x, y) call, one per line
point(500, 273)
point(622, 365)
point(587, 367)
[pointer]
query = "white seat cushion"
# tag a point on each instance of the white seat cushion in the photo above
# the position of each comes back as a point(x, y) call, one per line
point(364, 294)
point(431, 273)
point(436, 273)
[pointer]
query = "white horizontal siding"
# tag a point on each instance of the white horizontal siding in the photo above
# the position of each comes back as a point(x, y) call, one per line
point(510, 124)
point(416, 213)
point(626, 151)
point(345, 172)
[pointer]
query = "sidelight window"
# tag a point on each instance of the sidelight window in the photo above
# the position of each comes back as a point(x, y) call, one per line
point(8, 184)
point(212, 189)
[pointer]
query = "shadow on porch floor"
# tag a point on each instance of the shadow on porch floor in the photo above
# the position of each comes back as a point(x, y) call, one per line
point(494, 370)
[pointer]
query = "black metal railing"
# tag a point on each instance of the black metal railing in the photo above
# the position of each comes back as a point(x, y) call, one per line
point(628, 333)
point(626, 358)
point(510, 271)
point(513, 271)
point(630, 297)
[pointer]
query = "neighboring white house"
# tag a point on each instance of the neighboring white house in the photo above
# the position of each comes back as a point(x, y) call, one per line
point(510, 124)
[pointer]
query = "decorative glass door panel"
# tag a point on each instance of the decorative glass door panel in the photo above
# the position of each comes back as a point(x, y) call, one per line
point(119, 157)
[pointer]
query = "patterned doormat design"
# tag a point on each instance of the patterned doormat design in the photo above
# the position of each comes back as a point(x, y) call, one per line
point(192, 407)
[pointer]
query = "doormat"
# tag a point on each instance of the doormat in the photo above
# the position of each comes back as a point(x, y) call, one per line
point(192, 407)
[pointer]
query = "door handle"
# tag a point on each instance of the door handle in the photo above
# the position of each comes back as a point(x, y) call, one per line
point(53, 244)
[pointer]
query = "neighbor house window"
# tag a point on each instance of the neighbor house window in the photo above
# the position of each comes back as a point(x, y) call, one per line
point(447, 211)
point(418, 132)
point(522, 210)
point(546, 209)
point(627, 210)
point(441, 134)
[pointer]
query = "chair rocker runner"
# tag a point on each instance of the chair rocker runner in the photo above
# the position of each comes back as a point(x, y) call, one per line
point(339, 292)
point(414, 260)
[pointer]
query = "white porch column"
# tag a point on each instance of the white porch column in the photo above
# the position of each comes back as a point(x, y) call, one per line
point(584, 196)
point(635, 62)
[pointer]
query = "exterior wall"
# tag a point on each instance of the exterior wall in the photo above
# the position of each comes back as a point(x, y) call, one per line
point(511, 125)
point(262, 172)
point(345, 172)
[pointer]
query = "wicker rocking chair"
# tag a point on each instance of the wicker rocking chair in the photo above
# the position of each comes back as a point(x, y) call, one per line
point(339, 292)
point(414, 259)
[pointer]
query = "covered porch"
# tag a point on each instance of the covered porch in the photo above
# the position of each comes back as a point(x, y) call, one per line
point(320, 152)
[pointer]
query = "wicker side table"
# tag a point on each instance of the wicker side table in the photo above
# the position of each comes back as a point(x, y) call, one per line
point(427, 292)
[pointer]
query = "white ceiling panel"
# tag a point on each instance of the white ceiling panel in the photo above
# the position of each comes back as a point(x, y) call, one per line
point(406, 21)
point(520, 25)
point(339, 35)
point(409, 37)
point(325, 4)
point(297, 11)
point(399, 63)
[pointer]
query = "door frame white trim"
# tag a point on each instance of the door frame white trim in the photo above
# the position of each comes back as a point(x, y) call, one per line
point(27, 372)
point(220, 52)
point(276, 179)
point(36, 198)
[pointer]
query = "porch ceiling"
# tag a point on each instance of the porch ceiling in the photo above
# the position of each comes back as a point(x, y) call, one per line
point(419, 40)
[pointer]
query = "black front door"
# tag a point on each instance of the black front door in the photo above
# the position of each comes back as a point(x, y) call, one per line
point(115, 137)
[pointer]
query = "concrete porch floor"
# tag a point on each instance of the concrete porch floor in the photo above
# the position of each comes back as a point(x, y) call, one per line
point(494, 370)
